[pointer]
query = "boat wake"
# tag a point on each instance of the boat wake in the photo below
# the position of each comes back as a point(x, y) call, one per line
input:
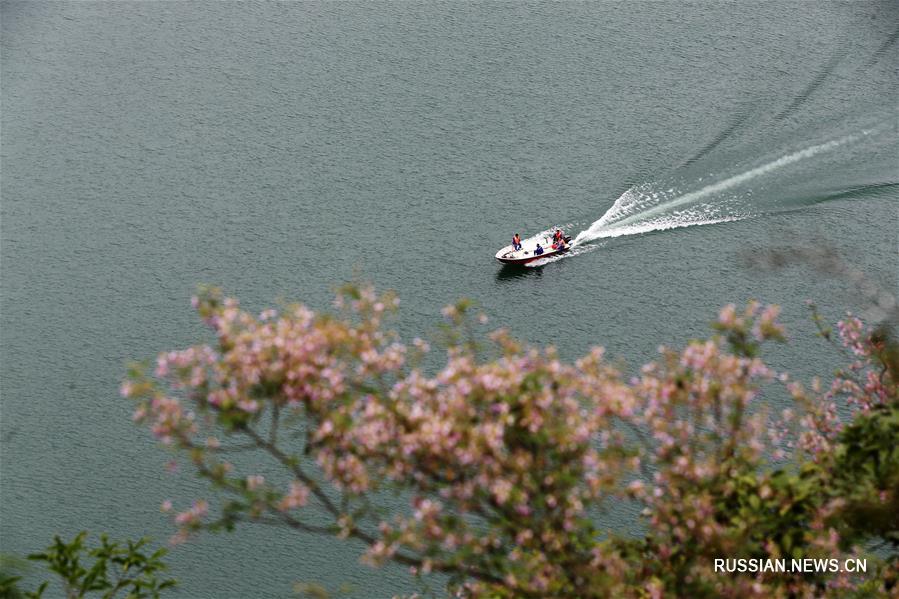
point(797, 177)
point(641, 210)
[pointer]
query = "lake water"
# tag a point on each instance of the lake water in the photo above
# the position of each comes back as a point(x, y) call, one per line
point(279, 149)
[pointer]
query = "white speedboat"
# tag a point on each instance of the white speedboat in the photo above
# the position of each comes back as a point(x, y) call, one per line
point(529, 249)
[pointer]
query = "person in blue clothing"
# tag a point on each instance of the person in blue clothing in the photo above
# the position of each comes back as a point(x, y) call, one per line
point(538, 251)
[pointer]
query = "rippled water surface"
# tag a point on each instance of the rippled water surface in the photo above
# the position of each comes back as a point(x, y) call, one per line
point(279, 149)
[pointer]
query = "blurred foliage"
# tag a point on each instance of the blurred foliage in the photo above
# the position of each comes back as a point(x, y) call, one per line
point(112, 569)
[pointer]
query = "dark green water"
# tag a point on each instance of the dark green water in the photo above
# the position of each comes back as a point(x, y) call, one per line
point(277, 149)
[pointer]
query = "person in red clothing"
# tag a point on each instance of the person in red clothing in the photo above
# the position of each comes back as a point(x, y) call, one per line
point(516, 242)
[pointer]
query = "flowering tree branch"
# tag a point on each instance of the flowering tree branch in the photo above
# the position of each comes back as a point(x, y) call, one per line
point(506, 453)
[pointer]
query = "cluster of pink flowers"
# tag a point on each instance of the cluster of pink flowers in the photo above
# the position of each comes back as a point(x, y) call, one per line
point(506, 460)
point(296, 496)
point(865, 382)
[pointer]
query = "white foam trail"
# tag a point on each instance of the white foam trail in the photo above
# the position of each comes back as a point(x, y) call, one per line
point(664, 226)
point(634, 210)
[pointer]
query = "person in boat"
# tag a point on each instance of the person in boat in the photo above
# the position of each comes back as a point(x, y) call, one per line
point(516, 242)
point(559, 237)
point(538, 251)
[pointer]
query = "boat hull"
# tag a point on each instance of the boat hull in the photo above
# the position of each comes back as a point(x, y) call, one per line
point(526, 255)
point(531, 258)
